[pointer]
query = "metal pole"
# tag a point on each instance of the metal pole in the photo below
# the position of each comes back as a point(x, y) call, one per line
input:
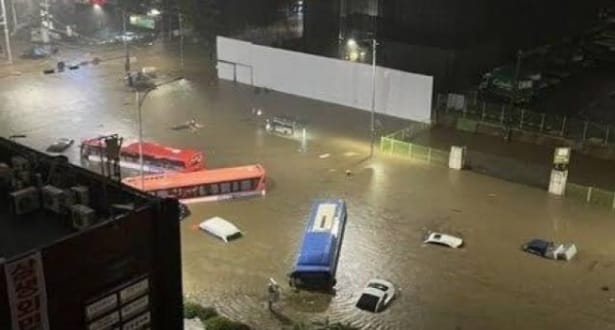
point(127, 63)
point(517, 72)
point(140, 119)
point(181, 42)
point(6, 32)
point(372, 127)
point(14, 16)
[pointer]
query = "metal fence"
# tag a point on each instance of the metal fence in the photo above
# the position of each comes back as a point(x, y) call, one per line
point(508, 116)
point(392, 146)
point(591, 195)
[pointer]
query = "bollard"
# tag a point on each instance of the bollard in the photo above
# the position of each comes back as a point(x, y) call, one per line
point(585, 131)
point(542, 122)
point(502, 116)
point(589, 194)
point(563, 130)
point(521, 121)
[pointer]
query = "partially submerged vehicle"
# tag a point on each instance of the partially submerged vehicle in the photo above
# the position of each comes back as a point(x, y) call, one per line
point(220, 228)
point(550, 250)
point(444, 240)
point(60, 145)
point(376, 296)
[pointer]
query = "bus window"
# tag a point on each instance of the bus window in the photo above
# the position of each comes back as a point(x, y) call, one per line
point(246, 185)
point(225, 187)
point(214, 189)
point(202, 191)
point(235, 186)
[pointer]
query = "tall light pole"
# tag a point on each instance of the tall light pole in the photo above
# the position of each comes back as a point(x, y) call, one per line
point(354, 48)
point(125, 39)
point(7, 40)
point(181, 41)
point(373, 112)
point(141, 92)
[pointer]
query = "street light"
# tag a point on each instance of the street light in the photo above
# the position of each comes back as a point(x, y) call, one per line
point(141, 92)
point(352, 45)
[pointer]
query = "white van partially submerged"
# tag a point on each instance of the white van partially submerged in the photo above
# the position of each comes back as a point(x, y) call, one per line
point(220, 228)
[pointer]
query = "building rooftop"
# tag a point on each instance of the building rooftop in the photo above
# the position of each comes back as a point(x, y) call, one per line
point(70, 199)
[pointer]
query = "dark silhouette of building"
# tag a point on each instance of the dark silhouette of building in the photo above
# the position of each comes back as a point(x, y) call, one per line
point(454, 41)
point(78, 251)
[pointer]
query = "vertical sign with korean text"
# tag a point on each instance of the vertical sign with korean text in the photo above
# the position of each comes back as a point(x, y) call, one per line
point(25, 283)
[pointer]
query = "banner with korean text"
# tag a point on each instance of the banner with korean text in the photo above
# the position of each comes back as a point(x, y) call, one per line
point(25, 283)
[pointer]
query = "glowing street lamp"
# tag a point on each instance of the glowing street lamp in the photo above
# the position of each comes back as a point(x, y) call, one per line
point(141, 92)
point(354, 54)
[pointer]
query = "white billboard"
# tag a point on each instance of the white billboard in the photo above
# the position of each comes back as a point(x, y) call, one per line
point(398, 94)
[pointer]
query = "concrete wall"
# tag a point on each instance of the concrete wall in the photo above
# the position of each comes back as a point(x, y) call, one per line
point(398, 94)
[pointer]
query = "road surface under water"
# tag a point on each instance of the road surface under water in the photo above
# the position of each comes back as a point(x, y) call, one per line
point(392, 203)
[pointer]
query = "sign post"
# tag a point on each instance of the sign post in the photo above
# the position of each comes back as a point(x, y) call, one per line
point(559, 173)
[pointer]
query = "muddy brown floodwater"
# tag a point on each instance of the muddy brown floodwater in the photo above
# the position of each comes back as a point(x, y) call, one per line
point(392, 203)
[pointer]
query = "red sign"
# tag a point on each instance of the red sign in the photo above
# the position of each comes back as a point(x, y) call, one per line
point(25, 282)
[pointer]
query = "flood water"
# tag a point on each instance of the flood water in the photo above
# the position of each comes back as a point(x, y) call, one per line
point(392, 203)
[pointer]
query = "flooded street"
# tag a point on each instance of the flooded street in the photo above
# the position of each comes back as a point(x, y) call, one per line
point(392, 203)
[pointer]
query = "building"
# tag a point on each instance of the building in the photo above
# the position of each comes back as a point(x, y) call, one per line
point(454, 41)
point(79, 251)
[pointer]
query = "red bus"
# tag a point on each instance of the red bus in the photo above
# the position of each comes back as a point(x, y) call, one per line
point(157, 158)
point(204, 185)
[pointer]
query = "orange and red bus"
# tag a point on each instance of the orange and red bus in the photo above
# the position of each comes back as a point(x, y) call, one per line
point(157, 158)
point(205, 185)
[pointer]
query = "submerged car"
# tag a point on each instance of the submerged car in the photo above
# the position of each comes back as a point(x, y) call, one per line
point(550, 250)
point(376, 296)
point(220, 228)
point(60, 145)
point(444, 239)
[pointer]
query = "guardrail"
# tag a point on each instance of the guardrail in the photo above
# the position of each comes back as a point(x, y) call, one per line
point(393, 144)
point(591, 195)
point(506, 116)
point(396, 144)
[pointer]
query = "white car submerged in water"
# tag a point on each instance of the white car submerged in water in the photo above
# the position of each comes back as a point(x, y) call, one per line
point(444, 239)
point(220, 228)
point(376, 296)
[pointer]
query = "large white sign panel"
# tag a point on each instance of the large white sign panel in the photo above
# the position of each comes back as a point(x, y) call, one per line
point(399, 94)
point(25, 282)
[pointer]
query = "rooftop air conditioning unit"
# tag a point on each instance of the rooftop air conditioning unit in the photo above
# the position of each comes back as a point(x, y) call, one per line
point(52, 198)
point(19, 163)
point(82, 216)
point(81, 195)
point(6, 174)
point(25, 200)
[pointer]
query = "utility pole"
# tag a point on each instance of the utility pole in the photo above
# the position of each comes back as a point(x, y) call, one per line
point(373, 108)
point(181, 41)
point(14, 16)
point(7, 40)
point(125, 39)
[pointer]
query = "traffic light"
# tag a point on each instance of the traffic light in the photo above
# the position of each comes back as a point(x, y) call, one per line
point(98, 2)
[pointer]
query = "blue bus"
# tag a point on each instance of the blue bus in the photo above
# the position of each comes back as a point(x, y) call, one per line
point(320, 250)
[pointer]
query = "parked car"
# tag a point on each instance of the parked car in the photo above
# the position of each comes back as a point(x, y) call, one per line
point(376, 296)
point(220, 228)
point(550, 250)
point(60, 145)
point(444, 239)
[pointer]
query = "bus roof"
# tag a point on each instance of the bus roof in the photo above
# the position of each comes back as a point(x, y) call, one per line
point(160, 151)
point(323, 229)
point(175, 180)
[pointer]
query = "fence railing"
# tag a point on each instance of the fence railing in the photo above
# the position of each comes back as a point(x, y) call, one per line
point(591, 195)
point(507, 116)
point(397, 144)
point(391, 145)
